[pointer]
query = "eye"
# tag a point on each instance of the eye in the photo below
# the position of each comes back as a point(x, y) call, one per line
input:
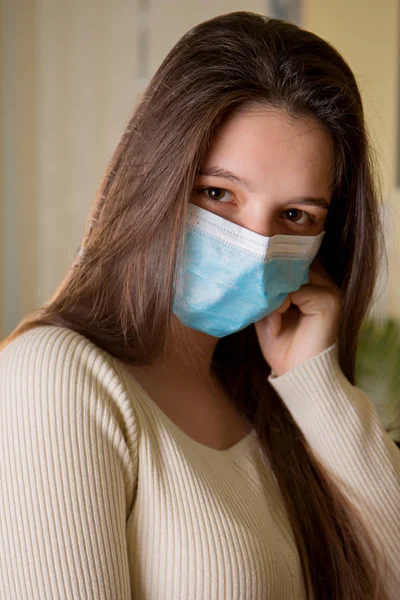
point(216, 194)
point(299, 217)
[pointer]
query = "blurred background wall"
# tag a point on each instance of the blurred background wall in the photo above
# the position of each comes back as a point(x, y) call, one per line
point(70, 75)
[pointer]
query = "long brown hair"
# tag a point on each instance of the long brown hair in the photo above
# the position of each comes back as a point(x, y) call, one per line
point(119, 290)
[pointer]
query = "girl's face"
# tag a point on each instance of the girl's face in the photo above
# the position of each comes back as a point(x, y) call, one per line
point(268, 173)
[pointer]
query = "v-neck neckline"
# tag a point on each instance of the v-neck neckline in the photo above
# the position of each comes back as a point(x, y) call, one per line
point(238, 447)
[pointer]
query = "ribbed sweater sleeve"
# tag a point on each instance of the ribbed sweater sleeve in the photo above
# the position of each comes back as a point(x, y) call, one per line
point(67, 470)
point(342, 427)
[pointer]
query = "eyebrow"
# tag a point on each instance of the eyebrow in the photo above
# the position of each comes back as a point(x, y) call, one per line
point(218, 172)
point(225, 174)
point(320, 202)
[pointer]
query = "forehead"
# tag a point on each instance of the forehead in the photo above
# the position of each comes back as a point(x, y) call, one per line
point(264, 144)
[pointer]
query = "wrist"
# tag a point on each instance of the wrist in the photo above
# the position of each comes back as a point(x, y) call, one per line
point(303, 364)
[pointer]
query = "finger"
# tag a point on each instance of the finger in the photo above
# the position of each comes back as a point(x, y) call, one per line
point(273, 324)
point(313, 300)
point(284, 306)
point(291, 318)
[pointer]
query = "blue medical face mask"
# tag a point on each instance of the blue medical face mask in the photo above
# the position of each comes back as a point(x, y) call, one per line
point(230, 277)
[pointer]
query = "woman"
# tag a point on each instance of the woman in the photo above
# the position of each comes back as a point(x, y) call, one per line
point(179, 420)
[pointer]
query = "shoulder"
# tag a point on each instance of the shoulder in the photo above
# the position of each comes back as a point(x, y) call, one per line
point(48, 346)
point(50, 356)
point(56, 372)
point(68, 465)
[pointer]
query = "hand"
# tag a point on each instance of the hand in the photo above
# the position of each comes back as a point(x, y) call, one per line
point(304, 326)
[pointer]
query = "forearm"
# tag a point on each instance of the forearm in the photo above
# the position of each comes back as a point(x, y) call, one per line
point(342, 427)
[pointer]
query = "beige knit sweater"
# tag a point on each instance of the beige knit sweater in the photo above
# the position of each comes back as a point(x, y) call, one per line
point(103, 497)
